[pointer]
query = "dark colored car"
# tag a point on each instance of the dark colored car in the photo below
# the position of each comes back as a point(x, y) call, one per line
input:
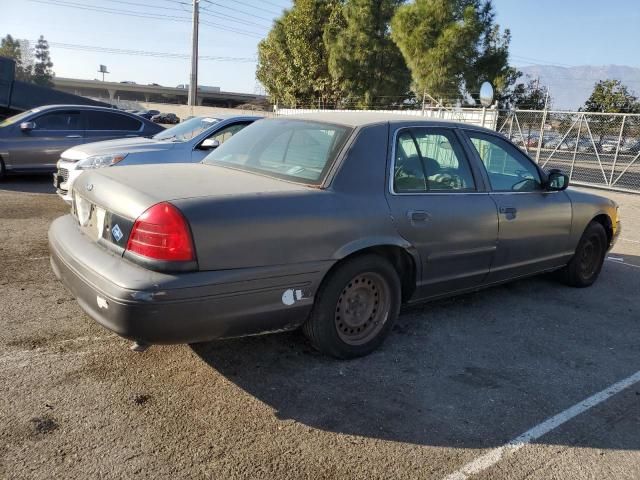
point(166, 118)
point(326, 221)
point(32, 141)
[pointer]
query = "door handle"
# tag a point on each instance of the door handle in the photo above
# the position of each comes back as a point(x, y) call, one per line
point(509, 212)
point(418, 216)
point(74, 136)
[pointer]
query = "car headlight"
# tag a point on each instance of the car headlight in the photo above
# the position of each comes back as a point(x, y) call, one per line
point(100, 161)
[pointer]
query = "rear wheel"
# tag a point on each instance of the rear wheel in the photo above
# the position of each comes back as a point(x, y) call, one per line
point(2, 169)
point(355, 308)
point(585, 266)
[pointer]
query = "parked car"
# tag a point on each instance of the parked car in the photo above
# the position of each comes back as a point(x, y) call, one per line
point(630, 147)
point(609, 146)
point(189, 141)
point(32, 141)
point(325, 221)
point(166, 118)
point(584, 145)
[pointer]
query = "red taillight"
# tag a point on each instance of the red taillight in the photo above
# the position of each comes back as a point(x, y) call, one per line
point(161, 233)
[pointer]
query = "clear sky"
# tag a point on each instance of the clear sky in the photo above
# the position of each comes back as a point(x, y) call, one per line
point(560, 32)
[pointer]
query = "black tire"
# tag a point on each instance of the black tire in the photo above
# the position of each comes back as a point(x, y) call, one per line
point(2, 169)
point(355, 308)
point(586, 264)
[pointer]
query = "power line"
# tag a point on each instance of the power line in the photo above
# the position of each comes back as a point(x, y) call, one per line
point(222, 16)
point(144, 53)
point(152, 16)
point(234, 10)
point(274, 4)
point(254, 7)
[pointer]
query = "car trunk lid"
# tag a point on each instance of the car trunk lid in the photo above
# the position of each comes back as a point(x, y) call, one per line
point(106, 202)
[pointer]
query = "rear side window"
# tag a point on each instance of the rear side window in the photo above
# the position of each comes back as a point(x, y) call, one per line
point(62, 120)
point(430, 159)
point(111, 121)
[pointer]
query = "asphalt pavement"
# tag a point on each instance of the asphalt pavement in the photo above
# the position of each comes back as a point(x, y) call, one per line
point(456, 381)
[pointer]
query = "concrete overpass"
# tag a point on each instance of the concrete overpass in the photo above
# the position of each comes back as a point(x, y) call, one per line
point(152, 93)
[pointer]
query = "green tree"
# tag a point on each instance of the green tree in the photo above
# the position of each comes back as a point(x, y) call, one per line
point(450, 46)
point(363, 60)
point(492, 64)
point(611, 96)
point(42, 68)
point(10, 47)
point(528, 96)
point(292, 60)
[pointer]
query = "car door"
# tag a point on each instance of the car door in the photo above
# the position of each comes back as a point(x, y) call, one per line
point(439, 203)
point(223, 134)
point(107, 125)
point(534, 224)
point(38, 149)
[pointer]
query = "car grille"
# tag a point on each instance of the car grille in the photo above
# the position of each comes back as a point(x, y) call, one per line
point(64, 173)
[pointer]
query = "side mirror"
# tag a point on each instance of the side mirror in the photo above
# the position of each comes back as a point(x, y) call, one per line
point(556, 180)
point(209, 144)
point(27, 126)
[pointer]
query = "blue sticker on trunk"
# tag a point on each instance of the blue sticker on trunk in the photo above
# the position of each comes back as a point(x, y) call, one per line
point(116, 232)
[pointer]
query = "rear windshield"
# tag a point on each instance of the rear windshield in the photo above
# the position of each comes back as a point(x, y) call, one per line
point(296, 150)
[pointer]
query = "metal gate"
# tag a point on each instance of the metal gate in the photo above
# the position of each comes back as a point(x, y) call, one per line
point(595, 149)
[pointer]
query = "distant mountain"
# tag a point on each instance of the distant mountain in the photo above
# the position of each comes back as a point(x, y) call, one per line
point(571, 86)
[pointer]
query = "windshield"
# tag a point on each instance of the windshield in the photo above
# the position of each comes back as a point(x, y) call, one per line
point(187, 130)
point(296, 150)
point(16, 118)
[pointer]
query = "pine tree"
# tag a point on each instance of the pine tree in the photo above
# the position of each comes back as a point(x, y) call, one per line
point(451, 46)
point(362, 57)
point(292, 60)
point(11, 48)
point(42, 68)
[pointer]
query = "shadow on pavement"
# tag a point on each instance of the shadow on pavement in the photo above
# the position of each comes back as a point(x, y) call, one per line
point(27, 184)
point(473, 371)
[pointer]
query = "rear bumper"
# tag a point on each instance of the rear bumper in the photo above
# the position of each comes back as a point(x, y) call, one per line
point(156, 307)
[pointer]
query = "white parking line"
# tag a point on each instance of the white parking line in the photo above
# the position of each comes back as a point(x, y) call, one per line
point(494, 456)
point(622, 262)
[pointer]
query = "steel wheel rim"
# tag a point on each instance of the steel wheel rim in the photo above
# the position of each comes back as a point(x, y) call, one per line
point(589, 257)
point(362, 308)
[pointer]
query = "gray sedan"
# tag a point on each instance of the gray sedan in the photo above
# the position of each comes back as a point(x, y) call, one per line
point(190, 141)
point(32, 141)
point(327, 222)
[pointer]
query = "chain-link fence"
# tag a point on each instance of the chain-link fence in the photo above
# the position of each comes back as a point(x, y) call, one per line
point(597, 149)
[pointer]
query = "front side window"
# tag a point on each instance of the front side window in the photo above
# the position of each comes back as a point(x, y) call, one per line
point(509, 170)
point(59, 121)
point(227, 132)
point(430, 160)
point(296, 150)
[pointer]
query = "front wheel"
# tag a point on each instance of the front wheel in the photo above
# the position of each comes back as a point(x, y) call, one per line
point(585, 266)
point(355, 307)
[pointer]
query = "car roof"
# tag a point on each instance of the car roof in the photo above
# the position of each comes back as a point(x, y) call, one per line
point(85, 107)
point(363, 118)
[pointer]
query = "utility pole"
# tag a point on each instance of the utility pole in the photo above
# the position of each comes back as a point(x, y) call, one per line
point(193, 78)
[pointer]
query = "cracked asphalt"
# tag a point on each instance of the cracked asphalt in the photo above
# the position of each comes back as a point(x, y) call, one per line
point(457, 378)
